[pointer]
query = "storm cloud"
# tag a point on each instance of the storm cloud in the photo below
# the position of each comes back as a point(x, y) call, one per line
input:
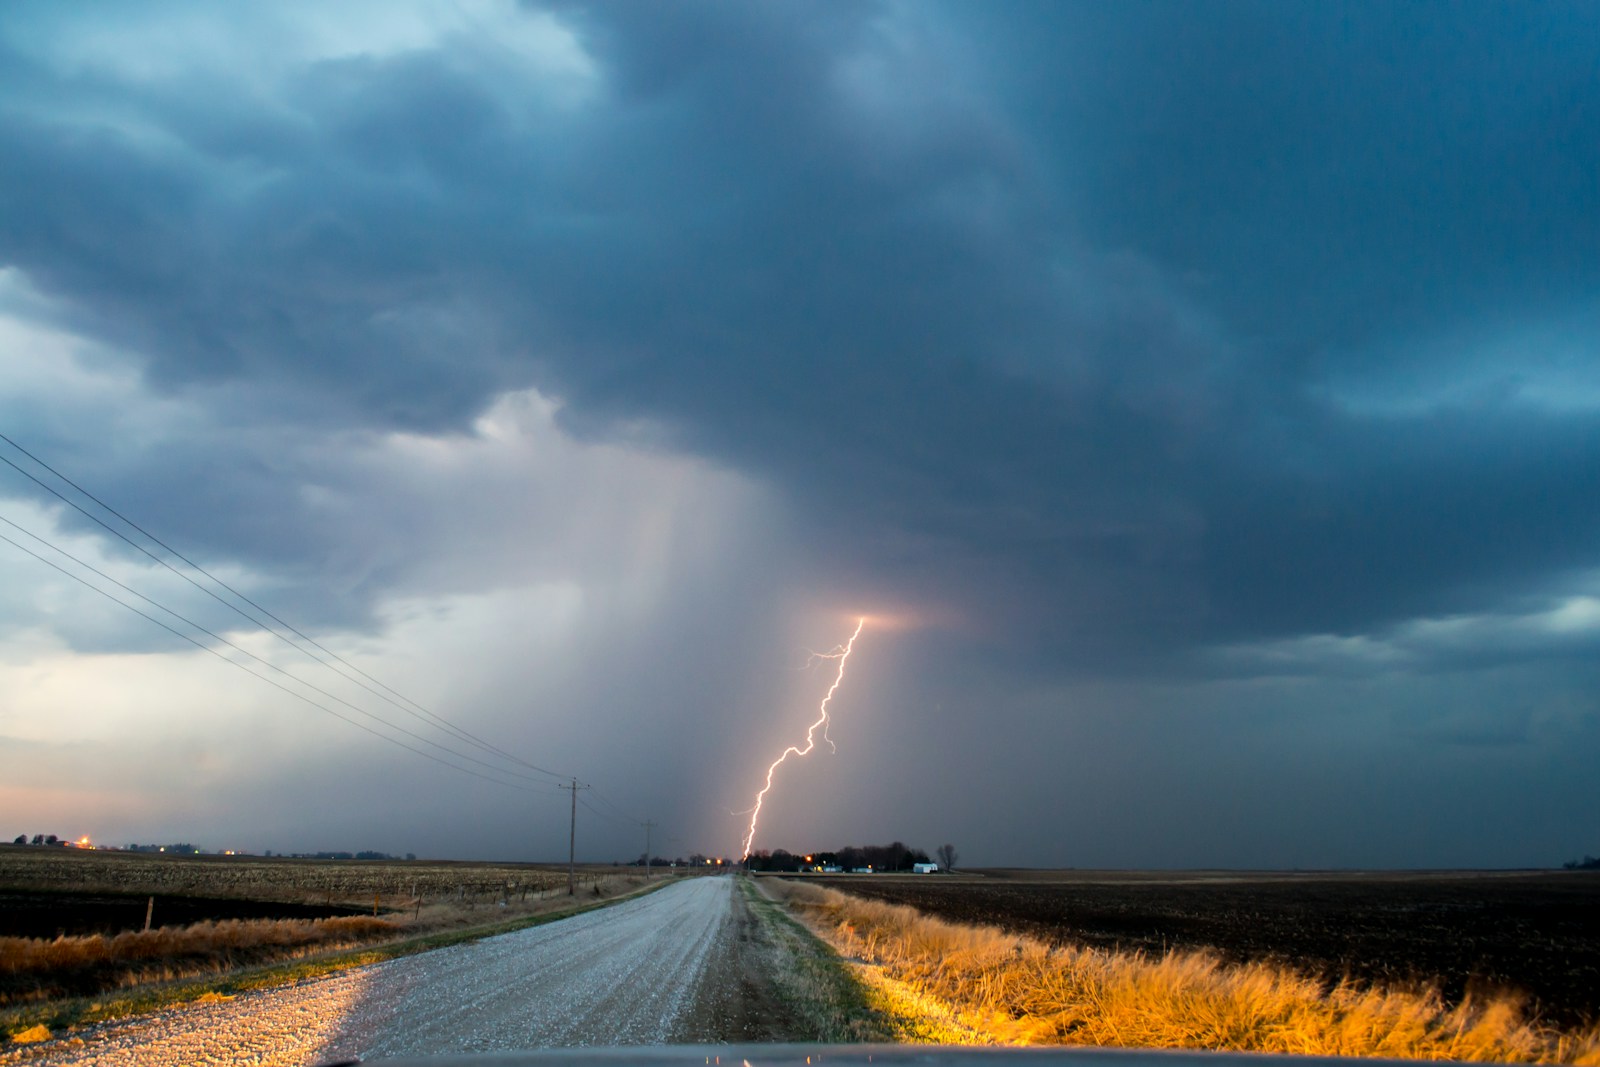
point(1205, 392)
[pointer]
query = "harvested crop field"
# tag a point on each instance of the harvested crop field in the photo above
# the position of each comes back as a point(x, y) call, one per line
point(1534, 933)
point(262, 878)
point(73, 919)
point(53, 914)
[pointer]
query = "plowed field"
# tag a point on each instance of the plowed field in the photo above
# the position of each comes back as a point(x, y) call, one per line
point(1534, 933)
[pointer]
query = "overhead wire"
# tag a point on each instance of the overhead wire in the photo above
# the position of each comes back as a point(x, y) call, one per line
point(422, 713)
point(616, 808)
point(606, 815)
point(615, 814)
point(264, 662)
point(235, 663)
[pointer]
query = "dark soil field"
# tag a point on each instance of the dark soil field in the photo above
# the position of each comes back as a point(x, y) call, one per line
point(46, 914)
point(1532, 933)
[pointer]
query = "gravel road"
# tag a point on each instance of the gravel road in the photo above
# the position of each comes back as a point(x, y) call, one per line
point(683, 964)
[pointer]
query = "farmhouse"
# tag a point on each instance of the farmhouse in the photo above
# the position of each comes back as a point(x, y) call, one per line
point(925, 868)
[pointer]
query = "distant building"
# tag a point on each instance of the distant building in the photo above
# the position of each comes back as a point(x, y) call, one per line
point(925, 868)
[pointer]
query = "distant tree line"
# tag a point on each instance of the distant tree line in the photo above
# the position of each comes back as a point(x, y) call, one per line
point(182, 848)
point(896, 856)
point(1588, 863)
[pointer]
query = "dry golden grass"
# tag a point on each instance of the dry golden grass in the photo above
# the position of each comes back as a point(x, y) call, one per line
point(20, 955)
point(1019, 990)
point(37, 968)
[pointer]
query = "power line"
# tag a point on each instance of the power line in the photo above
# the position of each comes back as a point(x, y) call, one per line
point(619, 811)
point(548, 787)
point(234, 663)
point(422, 713)
point(606, 816)
point(264, 662)
point(437, 721)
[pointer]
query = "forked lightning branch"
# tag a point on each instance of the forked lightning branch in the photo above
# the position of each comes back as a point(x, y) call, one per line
point(841, 654)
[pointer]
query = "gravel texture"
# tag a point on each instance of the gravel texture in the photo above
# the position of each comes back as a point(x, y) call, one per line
point(636, 973)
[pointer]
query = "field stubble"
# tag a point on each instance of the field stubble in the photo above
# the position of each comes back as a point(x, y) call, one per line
point(1016, 988)
point(352, 882)
point(1532, 936)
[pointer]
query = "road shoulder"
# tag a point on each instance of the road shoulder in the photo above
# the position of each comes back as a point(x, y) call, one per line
point(811, 982)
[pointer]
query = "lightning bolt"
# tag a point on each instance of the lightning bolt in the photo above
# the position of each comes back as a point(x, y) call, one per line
point(842, 653)
point(839, 653)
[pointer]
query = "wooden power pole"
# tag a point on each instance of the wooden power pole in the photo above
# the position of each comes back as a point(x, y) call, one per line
point(647, 827)
point(572, 840)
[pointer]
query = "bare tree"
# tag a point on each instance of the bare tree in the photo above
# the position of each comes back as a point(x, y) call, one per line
point(947, 856)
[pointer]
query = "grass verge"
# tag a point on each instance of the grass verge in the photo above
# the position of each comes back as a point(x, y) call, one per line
point(976, 984)
point(34, 1021)
point(815, 983)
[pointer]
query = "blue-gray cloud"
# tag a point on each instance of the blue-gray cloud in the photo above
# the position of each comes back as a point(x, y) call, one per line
point(1121, 334)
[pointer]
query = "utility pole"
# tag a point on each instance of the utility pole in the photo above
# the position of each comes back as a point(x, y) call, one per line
point(647, 826)
point(572, 840)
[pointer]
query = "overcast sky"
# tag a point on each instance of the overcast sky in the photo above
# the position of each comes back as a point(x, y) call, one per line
point(1200, 401)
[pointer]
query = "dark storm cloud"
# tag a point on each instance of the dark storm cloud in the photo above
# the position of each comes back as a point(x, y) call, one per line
point(1038, 317)
point(1386, 519)
point(1331, 172)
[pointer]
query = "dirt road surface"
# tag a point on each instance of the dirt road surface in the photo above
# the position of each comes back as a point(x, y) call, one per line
point(686, 964)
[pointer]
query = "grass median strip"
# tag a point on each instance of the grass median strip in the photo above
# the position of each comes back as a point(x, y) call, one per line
point(24, 1022)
